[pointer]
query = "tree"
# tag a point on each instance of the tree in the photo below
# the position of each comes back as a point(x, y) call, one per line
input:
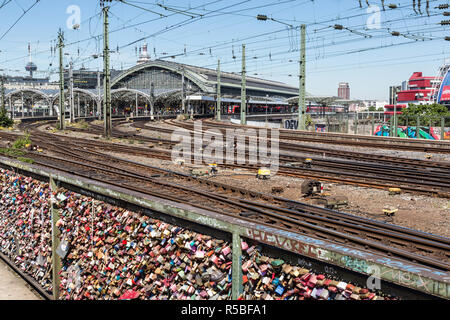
point(5, 121)
point(428, 113)
point(380, 109)
point(372, 108)
point(308, 120)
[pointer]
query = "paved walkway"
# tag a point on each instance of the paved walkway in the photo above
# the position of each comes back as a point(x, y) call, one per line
point(12, 287)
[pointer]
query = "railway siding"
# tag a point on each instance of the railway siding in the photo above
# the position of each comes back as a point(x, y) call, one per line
point(357, 140)
point(411, 275)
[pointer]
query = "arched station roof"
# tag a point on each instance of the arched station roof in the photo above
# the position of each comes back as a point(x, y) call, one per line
point(206, 79)
point(171, 67)
point(166, 79)
point(29, 92)
point(91, 93)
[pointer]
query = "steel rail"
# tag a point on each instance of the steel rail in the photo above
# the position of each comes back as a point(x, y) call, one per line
point(252, 205)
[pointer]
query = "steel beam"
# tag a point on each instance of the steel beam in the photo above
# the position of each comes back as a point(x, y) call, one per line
point(236, 285)
point(56, 261)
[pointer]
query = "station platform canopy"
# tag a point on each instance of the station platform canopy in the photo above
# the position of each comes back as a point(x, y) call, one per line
point(328, 100)
point(236, 100)
point(164, 75)
point(161, 82)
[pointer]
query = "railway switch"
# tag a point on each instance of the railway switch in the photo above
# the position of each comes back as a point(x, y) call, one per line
point(202, 171)
point(179, 161)
point(263, 173)
point(32, 147)
point(390, 211)
point(393, 191)
point(308, 163)
point(213, 168)
point(311, 187)
point(277, 189)
point(331, 202)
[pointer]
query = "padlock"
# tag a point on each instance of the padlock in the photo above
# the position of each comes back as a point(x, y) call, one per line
point(333, 289)
point(346, 293)
point(342, 286)
point(314, 293)
point(226, 250)
point(312, 281)
point(355, 296)
point(350, 287)
point(324, 294)
point(128, 251)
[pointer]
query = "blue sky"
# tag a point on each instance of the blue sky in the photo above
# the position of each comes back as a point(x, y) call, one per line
point(364, 53)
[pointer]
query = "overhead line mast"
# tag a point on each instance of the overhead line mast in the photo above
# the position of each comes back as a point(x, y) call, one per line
point(106, 72)
point(61, 81)
point(302, 86)
point(243, 89)
point(219, 93)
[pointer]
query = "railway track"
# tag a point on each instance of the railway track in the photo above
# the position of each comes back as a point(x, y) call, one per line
point(357, 156)
point(413, 176)
point(289, 215)
point(353, 140)
point(87, 160)
point(271, 211)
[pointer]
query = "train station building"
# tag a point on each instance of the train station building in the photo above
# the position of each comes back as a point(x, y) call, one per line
point(153, 86)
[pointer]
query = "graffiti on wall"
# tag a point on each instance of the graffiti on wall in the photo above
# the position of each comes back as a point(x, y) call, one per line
point(316, 248)
point(291, 124)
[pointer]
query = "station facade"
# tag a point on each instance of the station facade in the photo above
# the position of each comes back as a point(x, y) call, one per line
point(165, 83)
point(154, 86)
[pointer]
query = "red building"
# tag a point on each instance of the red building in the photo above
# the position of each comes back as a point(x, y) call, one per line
point(389, 109)
point(419, 91)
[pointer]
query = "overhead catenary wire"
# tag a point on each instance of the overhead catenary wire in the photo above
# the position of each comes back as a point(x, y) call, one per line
point(5, 2)
point(219, 49)
point(169, 55)
point(18, 19)
point(144, 22)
